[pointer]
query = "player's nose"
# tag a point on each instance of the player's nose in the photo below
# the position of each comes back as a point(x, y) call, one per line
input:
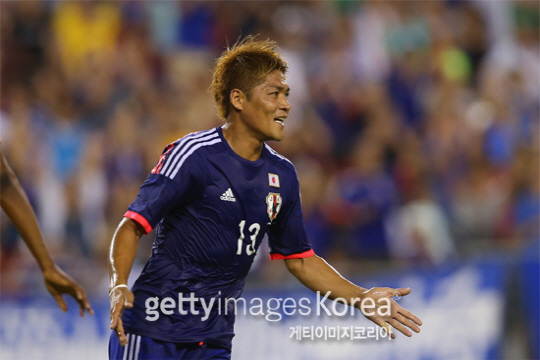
point(285, 105)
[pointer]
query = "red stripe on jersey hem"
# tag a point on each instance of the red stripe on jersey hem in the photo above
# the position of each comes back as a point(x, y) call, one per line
point(305, 254)
point(140, 219)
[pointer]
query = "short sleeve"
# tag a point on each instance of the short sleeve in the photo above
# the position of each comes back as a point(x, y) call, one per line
point(287, 236)
point(162, 191)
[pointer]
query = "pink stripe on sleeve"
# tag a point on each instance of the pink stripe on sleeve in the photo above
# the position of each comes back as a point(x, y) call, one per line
point(140, 219)
point(305, 254)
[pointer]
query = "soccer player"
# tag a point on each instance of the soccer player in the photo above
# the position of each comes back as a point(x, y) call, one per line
point(213, 195)
point(15, 204)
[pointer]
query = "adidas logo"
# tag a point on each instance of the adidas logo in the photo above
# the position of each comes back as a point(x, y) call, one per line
point(228, 196)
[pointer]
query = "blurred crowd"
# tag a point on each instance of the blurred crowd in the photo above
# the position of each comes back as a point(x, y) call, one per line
point(414, 125)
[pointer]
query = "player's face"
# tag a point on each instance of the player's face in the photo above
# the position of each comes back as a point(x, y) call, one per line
point(268, 108)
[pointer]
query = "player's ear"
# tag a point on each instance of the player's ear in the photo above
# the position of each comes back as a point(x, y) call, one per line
point(237, 99)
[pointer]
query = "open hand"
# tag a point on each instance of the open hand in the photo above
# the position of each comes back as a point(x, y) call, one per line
point(58, 283)
point(397, 317)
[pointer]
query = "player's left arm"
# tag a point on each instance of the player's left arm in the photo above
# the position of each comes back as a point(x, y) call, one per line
point(15, 204)
point(317, 275)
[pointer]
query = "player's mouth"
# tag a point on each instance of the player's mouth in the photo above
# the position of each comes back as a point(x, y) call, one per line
point(280, 120)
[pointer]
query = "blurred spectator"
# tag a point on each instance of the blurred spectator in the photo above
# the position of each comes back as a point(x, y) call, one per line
point(419, 230)
point(24, 37)
point(83, 28)
point(313, 180)
point(365, 195)
point(526, 215)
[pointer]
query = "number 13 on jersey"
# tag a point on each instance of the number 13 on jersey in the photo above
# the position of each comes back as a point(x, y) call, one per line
point(253, 232)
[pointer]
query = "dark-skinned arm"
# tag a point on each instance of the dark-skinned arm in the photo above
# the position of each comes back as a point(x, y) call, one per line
point(16, 206)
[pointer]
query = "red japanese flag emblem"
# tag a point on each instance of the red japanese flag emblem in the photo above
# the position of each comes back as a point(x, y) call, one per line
point(273, 180)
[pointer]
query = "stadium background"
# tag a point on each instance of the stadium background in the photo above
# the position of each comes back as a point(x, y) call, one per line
point(414, 131)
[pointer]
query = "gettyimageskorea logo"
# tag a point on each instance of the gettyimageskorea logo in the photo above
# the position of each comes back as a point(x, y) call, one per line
point(272, 309)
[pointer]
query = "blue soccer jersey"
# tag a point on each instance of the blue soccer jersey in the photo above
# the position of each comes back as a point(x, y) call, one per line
point(212, 209)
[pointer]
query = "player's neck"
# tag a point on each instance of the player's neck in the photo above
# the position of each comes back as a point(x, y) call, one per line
point(242, 142)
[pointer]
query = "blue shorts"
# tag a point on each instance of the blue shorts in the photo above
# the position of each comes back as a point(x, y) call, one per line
point(145, 348)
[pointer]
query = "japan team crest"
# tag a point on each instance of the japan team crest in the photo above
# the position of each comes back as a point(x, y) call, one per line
point(273, 202)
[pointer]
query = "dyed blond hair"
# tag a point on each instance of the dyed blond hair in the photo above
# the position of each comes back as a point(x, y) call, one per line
point(243, 67)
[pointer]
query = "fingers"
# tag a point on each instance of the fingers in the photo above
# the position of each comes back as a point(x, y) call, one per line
point(115, 316)
point(409, 315)
point(120, 333)
point(60, 301)
point(405, 317)
point(401, 292)
point(399, 327)
point(118, 304)
point(385, 326)
point(400, 319)
point(84, 304)
point(405, 321)
point(56, 293)
point(59, 283)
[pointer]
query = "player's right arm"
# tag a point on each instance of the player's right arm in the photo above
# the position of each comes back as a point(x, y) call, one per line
point(162, 191)
point(123, 251)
